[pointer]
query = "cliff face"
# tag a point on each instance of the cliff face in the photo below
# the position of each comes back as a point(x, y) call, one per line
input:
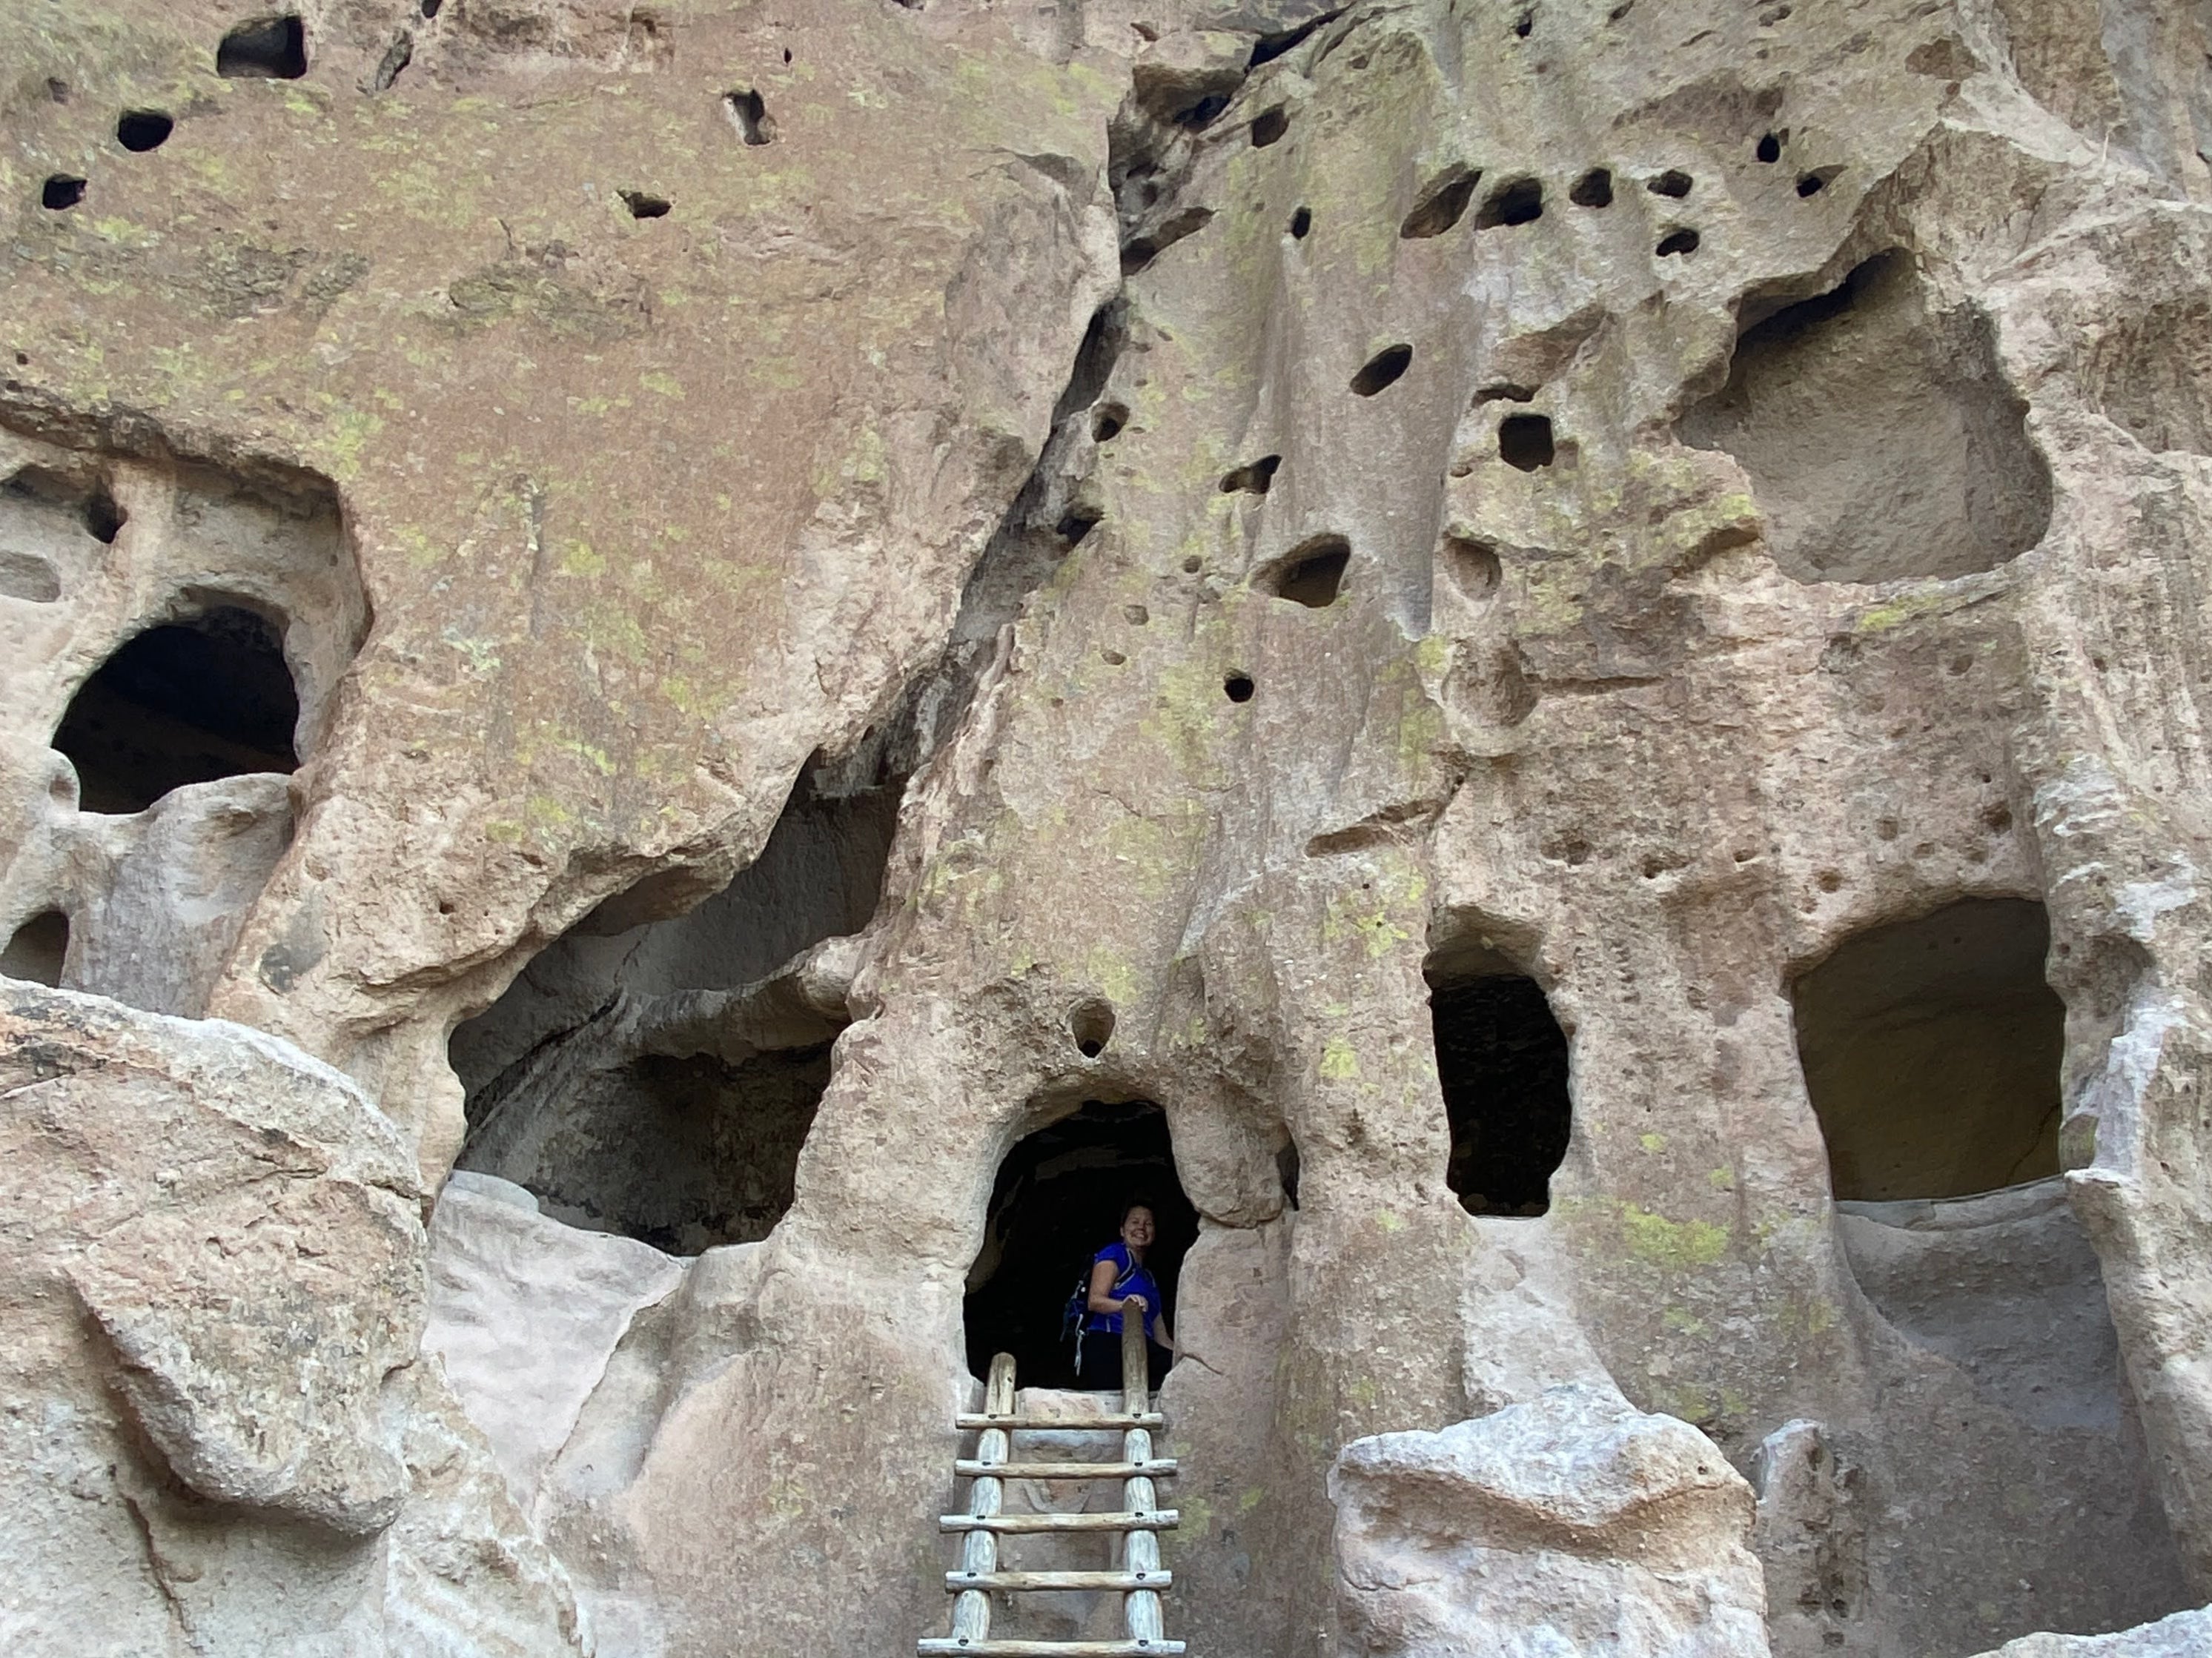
point(684, 682)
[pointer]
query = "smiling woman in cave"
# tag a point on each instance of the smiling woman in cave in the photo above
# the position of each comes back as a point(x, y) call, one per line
point(1120, 1279)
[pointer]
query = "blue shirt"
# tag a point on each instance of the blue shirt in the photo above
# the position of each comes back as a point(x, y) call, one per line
point(1129, 1279)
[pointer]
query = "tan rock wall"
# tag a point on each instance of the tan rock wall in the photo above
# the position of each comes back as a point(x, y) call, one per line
point(1791, 534)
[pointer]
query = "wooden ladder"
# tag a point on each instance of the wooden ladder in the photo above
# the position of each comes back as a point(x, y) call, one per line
point(1140, 1521)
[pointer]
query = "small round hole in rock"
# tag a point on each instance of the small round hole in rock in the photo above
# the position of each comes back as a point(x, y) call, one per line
point(1107, 421)
point(1301, 222)
point(1517, 201)
point(1525, 441)
point(430, 8)
point(1675, 242)
point(1592, 188)
point(61, 192)
point(1769, 148)
point(643, 206)
point(1078, 522)
point(1383, 369)
point(1812, 184)
point(266, 48)
point(1254, 479)
point(1674, 183)
point(1268, 128)
point(1312, 574)
point(1091, 1025)
point(1525, 24)
point(141, 130)
point(1238, 688)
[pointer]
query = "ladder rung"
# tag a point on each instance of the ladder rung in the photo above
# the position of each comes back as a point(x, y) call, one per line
point(967, 1420)
point(1157, 1520)
point(1018, 1582)
point(1158, 1469)
point(942, 1646)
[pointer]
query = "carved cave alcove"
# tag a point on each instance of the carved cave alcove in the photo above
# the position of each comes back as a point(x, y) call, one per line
point(1502, 1064)
point(1057, 1201)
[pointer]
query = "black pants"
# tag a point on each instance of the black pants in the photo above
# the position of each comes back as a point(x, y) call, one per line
point(1100, 1366)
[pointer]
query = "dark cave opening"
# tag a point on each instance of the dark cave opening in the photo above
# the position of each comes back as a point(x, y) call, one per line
point(1502, 1064)
point(265, 48)
point(1312, 574)
point(141, 130)
point(748, 112)
point(1517, 201)
point(1592, 188)
point(654, 1070)
point(1931, 1050)
point(38, 949)
point(1443, 201)
point(1524, 441)
point(185, 702)
point(1381, 370)
point(1057, 1201)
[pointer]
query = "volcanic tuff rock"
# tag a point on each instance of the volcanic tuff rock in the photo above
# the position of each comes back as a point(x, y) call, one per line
point(1541, 661)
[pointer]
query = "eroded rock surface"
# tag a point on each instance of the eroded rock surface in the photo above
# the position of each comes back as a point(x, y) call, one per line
point(1571, 1523)
point(723, 615)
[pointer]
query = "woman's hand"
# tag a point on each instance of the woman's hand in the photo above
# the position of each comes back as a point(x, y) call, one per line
point(1137, 1301)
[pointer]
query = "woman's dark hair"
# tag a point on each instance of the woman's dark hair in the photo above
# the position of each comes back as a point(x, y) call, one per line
point(1130, 1208)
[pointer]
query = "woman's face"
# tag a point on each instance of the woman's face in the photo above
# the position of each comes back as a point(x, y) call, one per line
point(1137, 1228)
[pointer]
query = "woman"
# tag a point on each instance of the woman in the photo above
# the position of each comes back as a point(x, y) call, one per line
point(1120, 1281)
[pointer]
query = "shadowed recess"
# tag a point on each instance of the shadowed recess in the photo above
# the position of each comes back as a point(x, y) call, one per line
point(39, 950)
point(1313, 572)
point(1525, 441)
point(655, 1070)
point(748, 113)
point(1502, 1064)
point(1880, 436)
point(1517, 201)
point(266, 48)
point(1383, 369)
point(1931, 1048)
point(1443, 200)
point(1255, 478)
point(1592, 188)
point(141, 130)
point(1057, 1201)
point(187, 702)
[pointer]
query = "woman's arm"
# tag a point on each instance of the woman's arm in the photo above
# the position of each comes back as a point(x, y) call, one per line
point(1102, 1298)
point(1166, 1340)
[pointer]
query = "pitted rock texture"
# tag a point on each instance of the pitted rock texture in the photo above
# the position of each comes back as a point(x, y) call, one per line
point(1258, 510)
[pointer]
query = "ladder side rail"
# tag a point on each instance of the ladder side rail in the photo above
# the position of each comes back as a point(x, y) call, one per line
point(979, 1558)
point(1140, 1550)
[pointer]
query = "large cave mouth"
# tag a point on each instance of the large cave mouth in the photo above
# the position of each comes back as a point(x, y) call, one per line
point(1057, 1202)
point(1502, 1063)
point(1882, 440)
point(1931, 1051)
point(656, 1074)
point(206, 696)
